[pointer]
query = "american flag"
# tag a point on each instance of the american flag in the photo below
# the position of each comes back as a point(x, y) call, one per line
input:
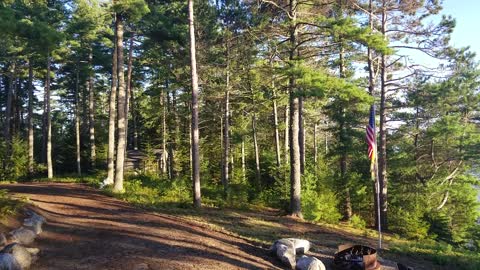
point(372, 139)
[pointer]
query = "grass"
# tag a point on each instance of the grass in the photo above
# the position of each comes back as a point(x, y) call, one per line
point(442, 254)
point(8, 205)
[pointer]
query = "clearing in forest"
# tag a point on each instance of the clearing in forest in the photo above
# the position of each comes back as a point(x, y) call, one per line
point(88, 230)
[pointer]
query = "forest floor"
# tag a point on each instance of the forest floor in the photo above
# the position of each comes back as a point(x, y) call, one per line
point(86, 229)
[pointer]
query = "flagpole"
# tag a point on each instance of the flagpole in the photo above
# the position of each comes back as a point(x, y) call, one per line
point(377, 191)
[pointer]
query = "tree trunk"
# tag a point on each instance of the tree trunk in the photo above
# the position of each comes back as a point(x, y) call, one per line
point(49, 121)
point(295, 161)
point(382, 155)
point(295, 172)
point(286, 139)
point(275, 123)
point(112, 117)
point(315, 145)
point(122, 110)
point(91, 111)
point(164, 132)
point(31, 160)
point(257, 151)
point(195, 134)
point(129, 86)
point(343, 141)
point(175, 139)
point(135, 123)
point(244, 173)
point(226, 127)
point(77, 122)
point(371, 90)
point(301, 134)
point(8, 112)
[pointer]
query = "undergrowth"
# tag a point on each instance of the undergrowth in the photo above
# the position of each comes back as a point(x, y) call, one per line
point(8, 205)
point(440, 253)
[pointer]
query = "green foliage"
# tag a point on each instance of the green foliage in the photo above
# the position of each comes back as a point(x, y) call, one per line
point(16, 162)
point(439, 253)
point(8, 206)
point(319, 202)
point(357, 222)
point(409, 223)
point(132, 10)
point(153, 192)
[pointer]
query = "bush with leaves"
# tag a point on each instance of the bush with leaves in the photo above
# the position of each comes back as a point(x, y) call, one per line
point(15, 163)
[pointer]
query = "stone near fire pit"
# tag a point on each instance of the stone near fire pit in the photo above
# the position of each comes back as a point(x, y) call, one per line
point(309, 263)
point(284, 249)
point(23, 235)
point(24, 257)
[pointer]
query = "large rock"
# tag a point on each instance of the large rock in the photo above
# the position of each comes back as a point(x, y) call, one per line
point(301, 246)
point(33, 224)
point(309, 263)
point(23, 235)
point(23, 257)
point(8, 262)
point(284, 249)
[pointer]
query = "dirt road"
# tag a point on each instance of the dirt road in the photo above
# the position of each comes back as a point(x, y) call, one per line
point(88, 230)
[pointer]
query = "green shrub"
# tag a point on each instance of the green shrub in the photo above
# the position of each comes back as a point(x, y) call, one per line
point(8, 206)
point(15, 164)
point(357, 222)
point(409, 223)
point(320, 206)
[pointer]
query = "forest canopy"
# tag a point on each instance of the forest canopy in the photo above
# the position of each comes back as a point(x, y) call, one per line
point(256, 102)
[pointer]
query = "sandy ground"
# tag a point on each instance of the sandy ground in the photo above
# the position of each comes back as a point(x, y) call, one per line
point(88, 230)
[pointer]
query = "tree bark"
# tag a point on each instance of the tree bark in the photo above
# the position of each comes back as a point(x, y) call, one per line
point(226, 126)
point(195, 134)
point(77, 122)
point(286, 139)
point(8, 110)
point(315, 145)
point(275, 123)
point(129, 91)
point(343, 141)
point(135, 123)
point(121, 111)
point(244, 173)
point(382, 155)
point(49, 121)
point(301, 134)
point(164, 131)
point(295, 173)
point(257, 151)
point(31, 161)
point(295, 162)
point(91, 111)
point(112, 117)
point(371, 90)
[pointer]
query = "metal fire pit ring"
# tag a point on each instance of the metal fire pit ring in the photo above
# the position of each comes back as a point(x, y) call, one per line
point(356, 257)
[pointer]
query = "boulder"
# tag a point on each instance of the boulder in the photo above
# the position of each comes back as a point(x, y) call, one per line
point(309, 263)
point(23, 235)
point(285, 252)
point(33, 224)
point(7, 262)
point(22, 256)
point(302, 246)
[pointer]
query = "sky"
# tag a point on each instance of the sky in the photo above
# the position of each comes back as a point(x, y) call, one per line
point(467, 30)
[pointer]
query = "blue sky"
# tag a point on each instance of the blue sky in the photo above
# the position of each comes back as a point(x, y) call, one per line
point(467, 15)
